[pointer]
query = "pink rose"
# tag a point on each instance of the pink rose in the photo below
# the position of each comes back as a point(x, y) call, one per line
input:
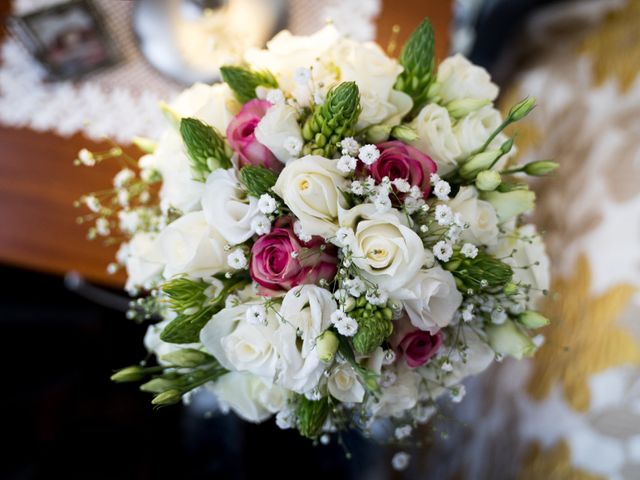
point(416, 346)
point(398, 160)
point(241, 137)
point(274, 267)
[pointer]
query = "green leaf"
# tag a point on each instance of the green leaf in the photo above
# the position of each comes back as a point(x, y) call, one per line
point(257, 180)
point(206, 147)
point(244, 81)
point(418, 59)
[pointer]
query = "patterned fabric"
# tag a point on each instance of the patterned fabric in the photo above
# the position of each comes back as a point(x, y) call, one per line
point(573, 411)
point(122, 102)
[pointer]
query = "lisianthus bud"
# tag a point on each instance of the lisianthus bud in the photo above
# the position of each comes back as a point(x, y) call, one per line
point(327, 345)
point(522, 109)
point(187, 357)
point(129, 374)
point(464, 106)
point(508, 339)
point(488, 180)
point(479, 162)
point(168, 397)
point(157, 385)
point(378, 133)
point(539, 168)
point(511, 289)
point(510, 204)
point(404, 133)
point(531, 319)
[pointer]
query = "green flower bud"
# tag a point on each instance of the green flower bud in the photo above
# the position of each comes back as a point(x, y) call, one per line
point(327, 345)
point(187, 358)
point(464, 106)
point(479, 162)
point(488, 180)
point(510, 204)
point(541, 167)
point(511, 289)
point(207, 149)
point(508, 339)
point(332, 121)
point(484, 272)
point(257, 180)
point(244, 81)
point(349, 304)
point(404, 133)
point(129, 374)
point(168, 397)
point(373, 329)
point(531, 319)
point(378, 133)
point(145, 144)
point(311, 416)
point(521, 109)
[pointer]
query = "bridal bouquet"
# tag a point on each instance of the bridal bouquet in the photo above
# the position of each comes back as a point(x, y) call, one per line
point(330, 236)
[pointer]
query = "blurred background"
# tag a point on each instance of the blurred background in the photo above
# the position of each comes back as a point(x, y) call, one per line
point(74, 72)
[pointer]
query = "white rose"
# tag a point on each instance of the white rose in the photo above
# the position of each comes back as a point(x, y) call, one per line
point(459, 78)
point(190, 246)
point(305, 310)
point(227, 207)
point(399, 397)
point(240, 345)
point(158, 347)
point(311, 188)
point(143, 260)
point(524, 247)
point(277, 128)
point(286, 52)
point(179, 190)
point(430, 299)
point(436, 137)
point(479, 356)
point(478, 214)
point(377, 110)
point(474, 129)
point(387, 251)
point(343, 384)
point(252, 398)
point(214, 105)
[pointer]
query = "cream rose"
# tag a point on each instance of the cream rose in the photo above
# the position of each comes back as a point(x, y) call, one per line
point(375, 74)
point(430, 299)
point(311, 188)
point(478, 214)
point(278, 128)
point(387, 251)
point(285, 53)
point(190, 246)
point(459, 78)
point(343, 384)
point(305, 314)
point(240, 345)
point(252, 398)
point(474, 129)
point(227, 207)
point(524, 247)
point(212, 104)
point(436, 137)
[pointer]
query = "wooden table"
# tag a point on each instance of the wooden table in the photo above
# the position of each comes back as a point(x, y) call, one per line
point(38, 182)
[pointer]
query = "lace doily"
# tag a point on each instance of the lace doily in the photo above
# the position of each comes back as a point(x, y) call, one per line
point(122, 102)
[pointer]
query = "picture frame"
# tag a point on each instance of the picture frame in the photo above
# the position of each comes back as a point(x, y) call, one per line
point(69, 40)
